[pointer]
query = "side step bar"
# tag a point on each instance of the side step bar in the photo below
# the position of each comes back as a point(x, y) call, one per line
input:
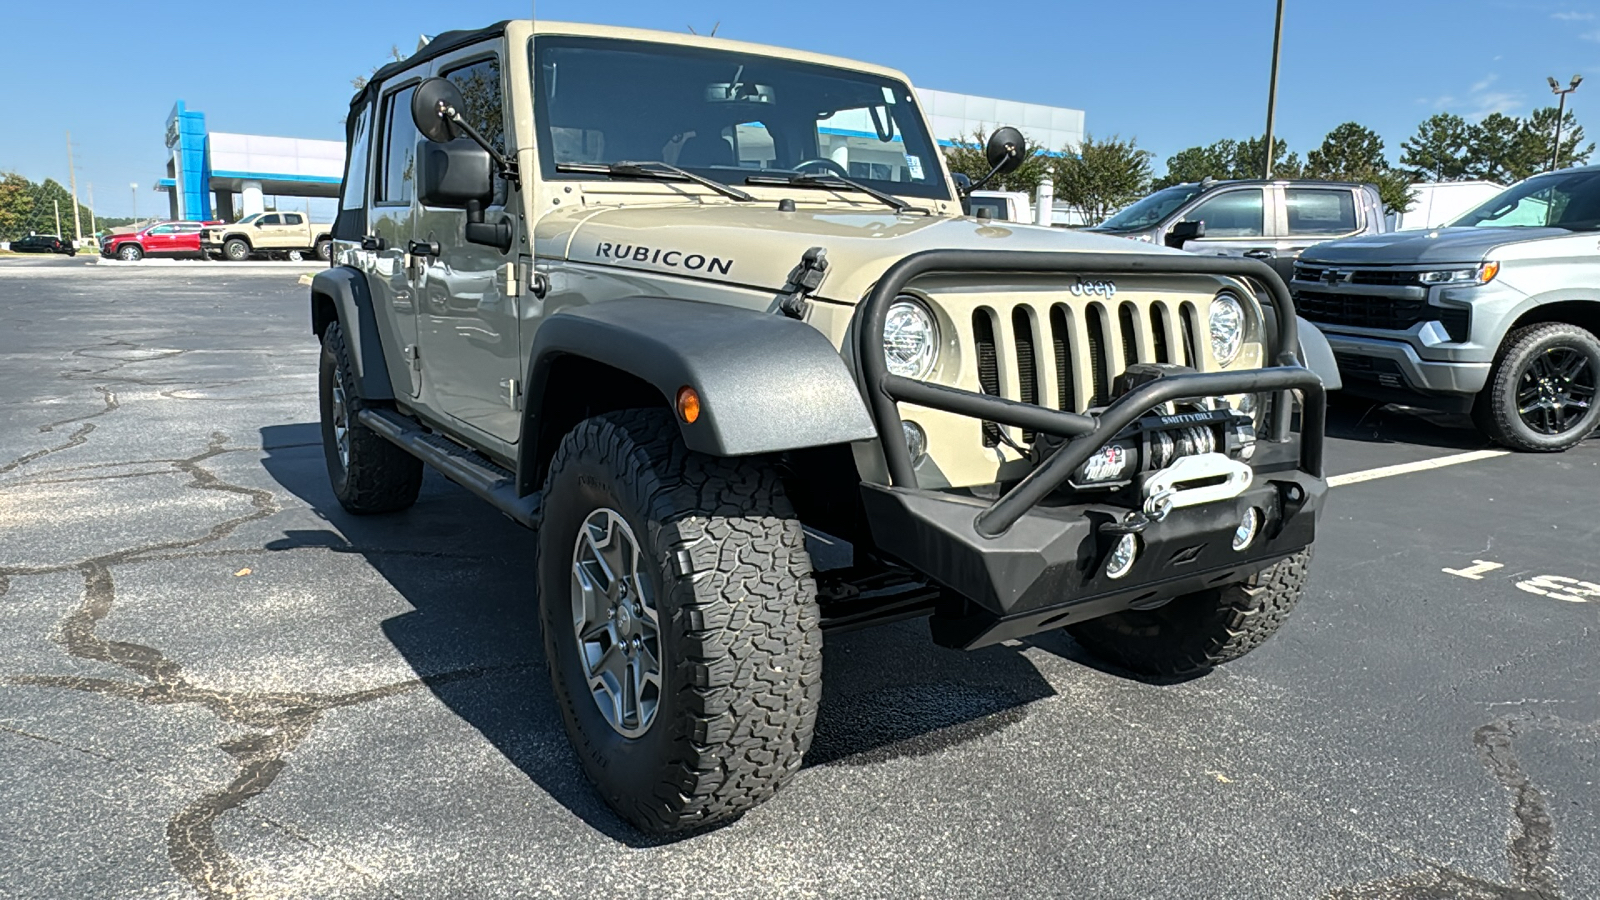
point(465, 467)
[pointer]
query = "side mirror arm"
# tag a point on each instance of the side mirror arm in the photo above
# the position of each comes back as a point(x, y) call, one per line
point(967, 191)
point(508, 169)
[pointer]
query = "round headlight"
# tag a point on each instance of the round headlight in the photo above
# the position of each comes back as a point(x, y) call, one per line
point(910, 340)
point(1227, 328)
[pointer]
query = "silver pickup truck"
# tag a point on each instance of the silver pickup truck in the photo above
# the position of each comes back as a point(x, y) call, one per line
point(1496, 315)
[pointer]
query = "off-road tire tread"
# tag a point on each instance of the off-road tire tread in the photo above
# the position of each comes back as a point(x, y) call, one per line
point(1496, 419)
point(381, 477)
point(746, 626)
point(1241, 618)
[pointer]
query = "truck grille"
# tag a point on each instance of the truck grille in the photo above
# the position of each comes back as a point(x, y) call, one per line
point(1360, 311)
point(1387, 277)
point(1068, 356)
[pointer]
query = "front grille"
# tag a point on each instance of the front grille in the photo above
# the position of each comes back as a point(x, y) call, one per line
point(1384, 277)
point(1088, 346)
point(1361, 311)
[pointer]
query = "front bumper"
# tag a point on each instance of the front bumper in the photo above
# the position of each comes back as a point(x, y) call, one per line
point(1033, 558)
point(1392, 370)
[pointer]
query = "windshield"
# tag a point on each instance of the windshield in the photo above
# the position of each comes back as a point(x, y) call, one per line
point(727, 115)
point(1568, 200)
point(1149, 212)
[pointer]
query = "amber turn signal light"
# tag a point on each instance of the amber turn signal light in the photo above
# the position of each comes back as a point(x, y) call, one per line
point(688, 404)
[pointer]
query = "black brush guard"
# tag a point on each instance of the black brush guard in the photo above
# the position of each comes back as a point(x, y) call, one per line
point(1044, 573)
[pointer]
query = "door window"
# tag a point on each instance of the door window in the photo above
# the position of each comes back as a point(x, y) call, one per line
point(479, 83)
point(398, 165)
point(162, 229)
point(1233, 214)
point(355, 176)
point(1323, 211)
point(293, 219)
point(269, 220)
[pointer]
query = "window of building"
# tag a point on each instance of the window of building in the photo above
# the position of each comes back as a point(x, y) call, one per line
point(1320, 211)
point(399, 148)
point(1230, 214)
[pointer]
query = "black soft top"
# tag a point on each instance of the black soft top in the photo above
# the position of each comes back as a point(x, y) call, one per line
point(439, 46)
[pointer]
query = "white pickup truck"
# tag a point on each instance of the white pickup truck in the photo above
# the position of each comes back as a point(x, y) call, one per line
point(269, 234)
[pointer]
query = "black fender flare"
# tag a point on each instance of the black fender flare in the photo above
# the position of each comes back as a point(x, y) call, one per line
point(341, 292)
point(767, 383)
point(1317, 355)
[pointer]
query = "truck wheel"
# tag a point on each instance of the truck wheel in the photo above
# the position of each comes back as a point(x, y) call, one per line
point(130, 252)
point(369, 474)
point(236, 250)
point(324, 250)
point(1198, 632)
point(680, 622)
point(1541, 392)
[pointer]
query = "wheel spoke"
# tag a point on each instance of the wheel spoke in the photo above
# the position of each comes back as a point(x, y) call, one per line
point(615, 622)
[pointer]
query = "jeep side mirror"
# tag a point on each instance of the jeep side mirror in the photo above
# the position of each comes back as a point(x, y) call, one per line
point(1004, 153)
point(433, 108)
point(1183, 232)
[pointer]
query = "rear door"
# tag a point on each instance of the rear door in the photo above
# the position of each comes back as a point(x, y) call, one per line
point(389, 223)
point(467, 325)
point(295, 231)
point(1316, 214)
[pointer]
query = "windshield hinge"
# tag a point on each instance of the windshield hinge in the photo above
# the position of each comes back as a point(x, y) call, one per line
point(803, 282)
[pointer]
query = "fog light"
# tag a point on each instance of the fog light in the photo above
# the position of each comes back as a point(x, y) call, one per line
point(916, 441)
point(1245, 534)
point(1122, 556)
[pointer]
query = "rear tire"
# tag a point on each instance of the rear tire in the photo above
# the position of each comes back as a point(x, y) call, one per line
point(731, 649)
point(236, 250)
point(369, 474)
point(1551, 370)
point(1198, 632)
point(324, 249)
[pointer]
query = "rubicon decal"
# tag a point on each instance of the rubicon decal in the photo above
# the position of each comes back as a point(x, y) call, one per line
point(655, 256)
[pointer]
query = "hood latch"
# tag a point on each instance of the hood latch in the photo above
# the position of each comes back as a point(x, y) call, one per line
point(803, 282)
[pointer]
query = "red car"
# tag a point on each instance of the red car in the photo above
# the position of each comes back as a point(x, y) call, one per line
point(172, 239)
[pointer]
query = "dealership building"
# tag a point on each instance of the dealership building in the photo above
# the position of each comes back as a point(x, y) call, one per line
point(225, 175)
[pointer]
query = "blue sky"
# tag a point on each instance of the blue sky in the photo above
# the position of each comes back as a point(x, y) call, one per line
point(1174, 74)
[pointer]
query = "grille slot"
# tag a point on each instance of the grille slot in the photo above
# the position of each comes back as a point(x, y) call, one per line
point(988, 367)
point(1130, 351)
point(1158, 334)
point(1027, 360)
point(1191, 334)
point(1061, 342)
point(1098, 363)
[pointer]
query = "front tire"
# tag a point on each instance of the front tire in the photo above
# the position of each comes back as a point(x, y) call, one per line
point(1541, 392)
point(713, 612)
point(130, 252)
point(369, 474)
point(236, 250)
point(1198, 632)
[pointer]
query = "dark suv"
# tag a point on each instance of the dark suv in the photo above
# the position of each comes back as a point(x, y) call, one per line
point(1272, 221)
point(43, 243)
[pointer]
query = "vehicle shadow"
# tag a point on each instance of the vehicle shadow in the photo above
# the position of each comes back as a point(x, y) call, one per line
point(1374, 422)
point(467, 574)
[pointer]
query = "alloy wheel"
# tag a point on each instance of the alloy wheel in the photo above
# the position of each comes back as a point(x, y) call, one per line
point(1556, 391)
point(615, 624)
point(341, 424)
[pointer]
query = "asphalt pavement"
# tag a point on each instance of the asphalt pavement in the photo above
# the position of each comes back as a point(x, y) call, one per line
point(215, 683)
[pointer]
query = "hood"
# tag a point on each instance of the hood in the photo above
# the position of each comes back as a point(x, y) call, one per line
point(1437, 245)
point(759, 247)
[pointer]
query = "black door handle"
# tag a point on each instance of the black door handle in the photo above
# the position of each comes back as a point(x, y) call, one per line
point(423, 248)
point(1260, 254)
point(373, 244)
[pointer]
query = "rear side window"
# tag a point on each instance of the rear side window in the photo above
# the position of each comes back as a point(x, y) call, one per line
point(293, 219)
point(1314, 211)
point(355, 172)
point(398, 165)
point(1231, 214)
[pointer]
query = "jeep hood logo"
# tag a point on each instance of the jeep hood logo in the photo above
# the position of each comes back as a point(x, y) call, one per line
point(675, 259)
point(1088, 287)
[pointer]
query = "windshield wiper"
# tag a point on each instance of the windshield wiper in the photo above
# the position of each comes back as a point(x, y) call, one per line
point(657, 170)
point(835, 181)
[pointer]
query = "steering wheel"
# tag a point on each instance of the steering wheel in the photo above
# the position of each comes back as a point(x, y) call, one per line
point(826, 164)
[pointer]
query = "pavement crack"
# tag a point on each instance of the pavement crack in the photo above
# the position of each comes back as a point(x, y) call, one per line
point(78, 437)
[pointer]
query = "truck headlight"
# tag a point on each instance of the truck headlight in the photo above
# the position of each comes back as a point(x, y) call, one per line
point(910, 340)
point(1227, 328)
point(1466, 275)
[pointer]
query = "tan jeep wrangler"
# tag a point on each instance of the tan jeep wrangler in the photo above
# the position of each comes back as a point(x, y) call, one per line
point(690, 307)
point(272, 234)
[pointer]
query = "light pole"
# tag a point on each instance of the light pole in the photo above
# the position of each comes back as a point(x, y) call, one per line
point(1272, 89)
point(133, 187)
point(1561, 113)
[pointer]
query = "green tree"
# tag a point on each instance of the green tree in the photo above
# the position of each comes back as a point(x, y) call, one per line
point(16, 201)
point(1103, 176)
point(1353, 152)
point(1539, 130)
point(1498, 149)
point(970, 159)
point(1251, 154)
point(1230, 159)
point(1439, 149)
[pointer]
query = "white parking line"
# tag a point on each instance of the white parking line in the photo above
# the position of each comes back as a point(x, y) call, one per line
point(1419, 466)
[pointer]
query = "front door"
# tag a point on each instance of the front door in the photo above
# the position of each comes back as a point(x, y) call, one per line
point(1237, 224)
point(467, 322)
